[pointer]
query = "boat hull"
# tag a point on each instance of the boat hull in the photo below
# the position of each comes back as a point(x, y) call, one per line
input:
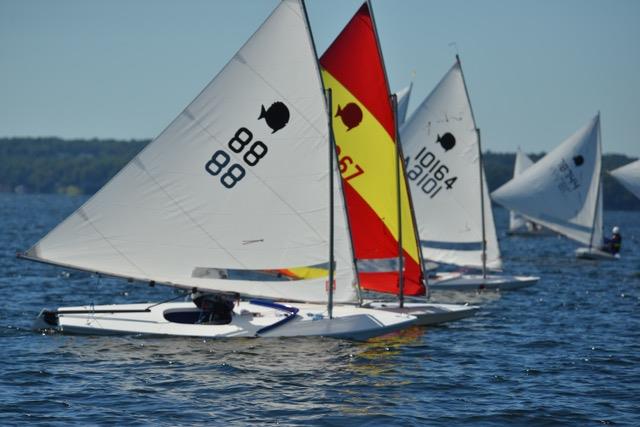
point(427, 313)
point(595, 254)
point(248, 320)
point(475, 282)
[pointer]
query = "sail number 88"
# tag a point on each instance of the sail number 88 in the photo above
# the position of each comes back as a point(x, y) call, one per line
point(220, 159)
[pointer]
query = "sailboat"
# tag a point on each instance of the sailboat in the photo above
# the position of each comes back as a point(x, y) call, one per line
point(243, 183)
point(403, 96)
point(563, 191)
point(518, 225)
point(377, 198)
point(443, 157)
point(629, 176)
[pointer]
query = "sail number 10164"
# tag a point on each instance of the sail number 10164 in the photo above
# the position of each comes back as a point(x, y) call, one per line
point(429, 173)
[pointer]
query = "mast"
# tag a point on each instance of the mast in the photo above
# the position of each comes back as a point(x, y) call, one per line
point(331, 214)
point(480, 167)
point(596, 213)
point(332, 146)
point(484, 237)
point(398, 159)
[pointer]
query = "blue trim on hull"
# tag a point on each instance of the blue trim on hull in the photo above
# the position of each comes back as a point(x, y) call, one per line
point(287, 309)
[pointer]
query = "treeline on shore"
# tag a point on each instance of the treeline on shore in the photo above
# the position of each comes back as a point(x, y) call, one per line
point(82, 166)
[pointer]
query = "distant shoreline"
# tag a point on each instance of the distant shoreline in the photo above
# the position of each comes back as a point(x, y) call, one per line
point(51, 165)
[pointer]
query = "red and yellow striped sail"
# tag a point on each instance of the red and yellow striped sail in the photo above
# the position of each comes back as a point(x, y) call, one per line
point(364, 130)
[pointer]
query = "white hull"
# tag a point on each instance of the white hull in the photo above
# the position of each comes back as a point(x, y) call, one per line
point(249, 320)
point(426, 313)
point(595, 254)
point(475, 282)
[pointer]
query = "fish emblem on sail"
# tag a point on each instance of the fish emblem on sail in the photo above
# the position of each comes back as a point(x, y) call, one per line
point(447, 141)
point(353, 69)
point(276, 116)
point(351, 115)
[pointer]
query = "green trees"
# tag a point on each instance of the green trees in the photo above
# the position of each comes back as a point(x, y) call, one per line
point(54, 165)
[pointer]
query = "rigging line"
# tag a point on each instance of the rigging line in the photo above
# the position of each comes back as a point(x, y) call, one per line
point(171, 299)
point(334, 170)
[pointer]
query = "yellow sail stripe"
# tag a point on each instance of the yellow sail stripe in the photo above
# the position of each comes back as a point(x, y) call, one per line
point(368, 147)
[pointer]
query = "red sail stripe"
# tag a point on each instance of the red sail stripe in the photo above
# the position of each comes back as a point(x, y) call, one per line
point(372, 240)
point(355, 47)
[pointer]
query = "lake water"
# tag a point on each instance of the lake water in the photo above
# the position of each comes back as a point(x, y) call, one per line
point(564, 352)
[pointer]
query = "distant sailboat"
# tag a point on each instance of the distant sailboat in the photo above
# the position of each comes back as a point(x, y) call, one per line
point(377, 198)
point(443, 158)
point(629, 176)
point(563, 192)
point(239, 184)
point(519, 225)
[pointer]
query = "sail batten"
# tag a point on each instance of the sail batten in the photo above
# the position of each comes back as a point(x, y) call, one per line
point(239, 180)
point(562, 190)
point(441, 148)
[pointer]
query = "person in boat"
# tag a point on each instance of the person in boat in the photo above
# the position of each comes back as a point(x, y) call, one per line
point(613, 244)
point(216, 309)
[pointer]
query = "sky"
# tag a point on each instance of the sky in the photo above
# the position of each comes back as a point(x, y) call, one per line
point(537, 70)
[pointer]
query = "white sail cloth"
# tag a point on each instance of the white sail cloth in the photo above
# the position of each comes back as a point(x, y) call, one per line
point(562, 190)
point(629, 176)
point(441, 148)
point(239, 180)
point(517, 221)
point(402, 98)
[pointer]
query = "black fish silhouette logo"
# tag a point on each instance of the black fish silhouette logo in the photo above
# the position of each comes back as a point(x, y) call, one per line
point(578, 160)
point(447, 141)
point(277, 116)
point(351, 115)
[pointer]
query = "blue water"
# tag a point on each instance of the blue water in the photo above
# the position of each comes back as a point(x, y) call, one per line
point(565, 352)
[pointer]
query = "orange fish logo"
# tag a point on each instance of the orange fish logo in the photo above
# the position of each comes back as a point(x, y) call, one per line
point(351, 115)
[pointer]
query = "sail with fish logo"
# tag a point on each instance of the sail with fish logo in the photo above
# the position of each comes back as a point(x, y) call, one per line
point(449, 192)
point(562, 190)
point(365, 133)
point(236, 187)
point(629, 177)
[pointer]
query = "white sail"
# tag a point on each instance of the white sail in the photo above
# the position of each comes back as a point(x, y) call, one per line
point(561, 190)
point(522, 163)
point(238, 181)
point(629, 177)
point(441, 148)
point(402, 97)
